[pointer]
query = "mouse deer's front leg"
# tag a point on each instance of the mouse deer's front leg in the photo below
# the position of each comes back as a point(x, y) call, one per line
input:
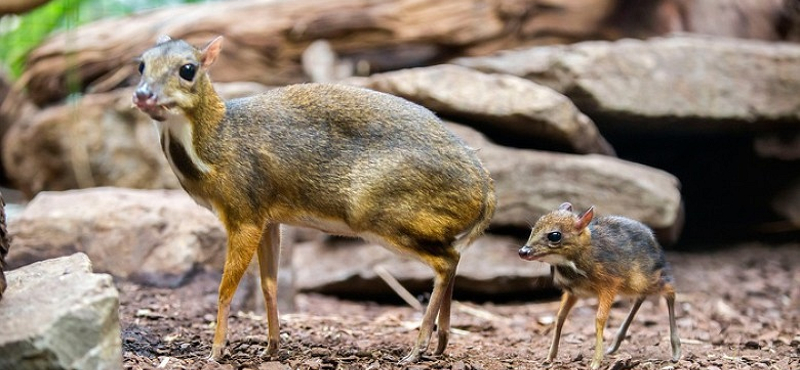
point(243, 241)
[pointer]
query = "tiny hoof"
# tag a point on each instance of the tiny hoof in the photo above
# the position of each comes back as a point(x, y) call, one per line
point(215, 355)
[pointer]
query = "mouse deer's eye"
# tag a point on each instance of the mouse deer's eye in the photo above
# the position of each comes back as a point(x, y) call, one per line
point(188, 71)
point(141, 67)
point(554, 237)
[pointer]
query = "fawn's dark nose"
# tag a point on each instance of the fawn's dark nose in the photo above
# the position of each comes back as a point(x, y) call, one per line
point(525, 251)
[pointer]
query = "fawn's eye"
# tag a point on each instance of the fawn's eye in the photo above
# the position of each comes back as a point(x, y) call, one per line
point(141, 67)
point(188, 71)
point(554, 237)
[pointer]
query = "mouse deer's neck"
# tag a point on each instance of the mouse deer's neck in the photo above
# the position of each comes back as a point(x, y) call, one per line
point(209, 108)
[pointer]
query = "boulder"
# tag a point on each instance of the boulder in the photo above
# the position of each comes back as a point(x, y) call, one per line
point(534, 115)
point(530, 183)
point(685, 83)
point(57, 314)
point(757, 19)
point(490, 267)
point(98, 140)
point(158, 237)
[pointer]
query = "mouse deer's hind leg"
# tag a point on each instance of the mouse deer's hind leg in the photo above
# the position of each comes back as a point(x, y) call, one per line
point(624, 328)
point(669, 296)
point(444, 266)
point(242, 243)
point(443, 322)
point(269, 251)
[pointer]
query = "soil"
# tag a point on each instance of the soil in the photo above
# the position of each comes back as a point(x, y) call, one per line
point(738, 308)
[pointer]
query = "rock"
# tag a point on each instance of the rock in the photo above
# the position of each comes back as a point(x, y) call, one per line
point(530, 183)
point(100, 140)
point(57, 314)
point(157, 237)
point(687, 83)
point(787, 204)
point(513, 106)
point(757, 19)
point(489, 267)
point(13, 106)
point(97, 141)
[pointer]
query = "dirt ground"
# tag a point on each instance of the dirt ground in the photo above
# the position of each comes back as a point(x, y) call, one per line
point(738, 308)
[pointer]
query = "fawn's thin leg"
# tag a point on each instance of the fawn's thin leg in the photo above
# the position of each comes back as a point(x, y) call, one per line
point(444, 268)
point(443, 329)
point(567, 302)
point(605, 300)
point(268, 256)
point(242, 243)
point(624, 328)
point(673, 328)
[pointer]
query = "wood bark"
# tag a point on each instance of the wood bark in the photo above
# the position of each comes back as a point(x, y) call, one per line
point(19, 6)
point(265, 39)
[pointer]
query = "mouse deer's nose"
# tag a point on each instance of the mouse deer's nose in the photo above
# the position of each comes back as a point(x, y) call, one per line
point(525, 251)
point(143, 93)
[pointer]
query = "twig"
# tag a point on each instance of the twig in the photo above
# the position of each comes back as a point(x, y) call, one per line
point(397, 287)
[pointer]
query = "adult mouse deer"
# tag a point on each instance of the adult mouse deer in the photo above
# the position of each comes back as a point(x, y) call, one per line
point(345, 160)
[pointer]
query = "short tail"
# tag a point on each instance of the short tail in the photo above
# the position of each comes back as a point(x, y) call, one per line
point(484, 218)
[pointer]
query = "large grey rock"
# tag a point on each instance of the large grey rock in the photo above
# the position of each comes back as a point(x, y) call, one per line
point(157, 237)
point(57, 314)
point(509, 104)
point(98, 140)
point(489, 267)
point(530, 183)
point(678, 82)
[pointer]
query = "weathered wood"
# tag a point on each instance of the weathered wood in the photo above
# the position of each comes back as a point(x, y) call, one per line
point(265, 39)
point(19, 6)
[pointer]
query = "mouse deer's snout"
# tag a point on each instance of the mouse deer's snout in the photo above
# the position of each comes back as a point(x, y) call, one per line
point(525, 252)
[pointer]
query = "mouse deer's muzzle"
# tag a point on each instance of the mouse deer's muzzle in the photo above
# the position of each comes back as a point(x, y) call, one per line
point(147, 101)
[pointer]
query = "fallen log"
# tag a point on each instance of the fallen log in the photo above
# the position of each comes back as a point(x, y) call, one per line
point(265, 39)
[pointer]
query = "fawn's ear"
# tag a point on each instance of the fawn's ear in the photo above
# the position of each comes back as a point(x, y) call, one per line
point(210, 52)
point(585, 218)
point(566, 206)
point(162, 39)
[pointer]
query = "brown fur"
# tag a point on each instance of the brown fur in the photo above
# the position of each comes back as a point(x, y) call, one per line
point(603, 258)
point(341, 159)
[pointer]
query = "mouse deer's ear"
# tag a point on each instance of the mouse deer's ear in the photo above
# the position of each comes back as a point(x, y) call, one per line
point(585, 218)
point(566, 206)
point(162, 39)
point(210, 52)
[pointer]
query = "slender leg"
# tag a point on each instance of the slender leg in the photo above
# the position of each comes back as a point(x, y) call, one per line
point(624, 328)
point(443, 329)
point(242, 243)
point(268, 256)
point(567, 302)
point(673, 328)
point(605, 299)
point(444, 268)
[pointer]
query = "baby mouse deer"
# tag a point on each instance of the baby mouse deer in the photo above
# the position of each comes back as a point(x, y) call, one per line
point(601, 258)
point(344, 160)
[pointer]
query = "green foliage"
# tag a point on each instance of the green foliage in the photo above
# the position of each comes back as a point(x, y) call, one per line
point(21, 34)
